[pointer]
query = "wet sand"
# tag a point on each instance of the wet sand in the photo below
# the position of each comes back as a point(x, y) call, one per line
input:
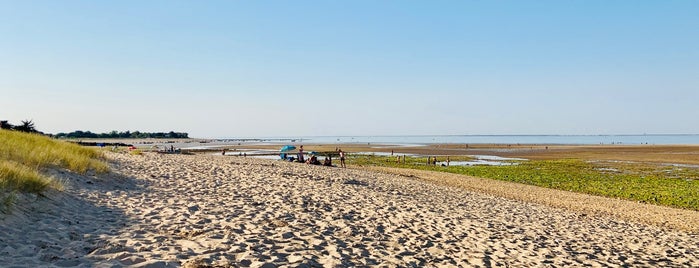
point(680, 154)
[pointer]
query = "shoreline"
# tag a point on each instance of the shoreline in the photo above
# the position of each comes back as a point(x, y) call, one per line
point(679, 154)
point(660, 154)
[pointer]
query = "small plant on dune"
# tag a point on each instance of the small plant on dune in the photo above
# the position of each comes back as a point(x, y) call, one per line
point(136, 152)
point(16, 177)
point(6, 200)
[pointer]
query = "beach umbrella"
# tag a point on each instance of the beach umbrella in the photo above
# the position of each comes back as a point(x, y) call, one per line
point(287, 148)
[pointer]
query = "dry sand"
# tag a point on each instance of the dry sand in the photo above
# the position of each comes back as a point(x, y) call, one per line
point(681, 219)
point(176, 210)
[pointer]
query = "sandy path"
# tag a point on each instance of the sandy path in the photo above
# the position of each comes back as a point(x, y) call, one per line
point(173, 210)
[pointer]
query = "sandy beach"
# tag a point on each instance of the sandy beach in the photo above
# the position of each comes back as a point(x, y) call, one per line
point(160, 210)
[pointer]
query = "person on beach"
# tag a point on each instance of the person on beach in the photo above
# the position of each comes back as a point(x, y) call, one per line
point(313, 160)
point(224, 152)
point(328, 162)
point(300, 156)
point(342, 159)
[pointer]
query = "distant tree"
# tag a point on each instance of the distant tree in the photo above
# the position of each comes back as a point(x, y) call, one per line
point(26, 126)
point(123, 135)
point(5, 125)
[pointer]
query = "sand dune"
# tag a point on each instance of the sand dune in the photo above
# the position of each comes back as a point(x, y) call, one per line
point(175, 210)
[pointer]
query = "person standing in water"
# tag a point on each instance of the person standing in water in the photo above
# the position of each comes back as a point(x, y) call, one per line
point(342, 159)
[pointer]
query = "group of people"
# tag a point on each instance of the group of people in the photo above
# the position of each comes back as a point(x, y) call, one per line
point(164, 149)
point(239, 153)
point(433, 161)
point(313, 160)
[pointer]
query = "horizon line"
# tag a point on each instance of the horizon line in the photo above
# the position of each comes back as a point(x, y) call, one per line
point(462, 135)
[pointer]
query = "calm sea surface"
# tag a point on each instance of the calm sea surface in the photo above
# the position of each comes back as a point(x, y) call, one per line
point(491, 139)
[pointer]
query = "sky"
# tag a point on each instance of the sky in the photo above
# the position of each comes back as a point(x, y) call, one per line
point(218, 69)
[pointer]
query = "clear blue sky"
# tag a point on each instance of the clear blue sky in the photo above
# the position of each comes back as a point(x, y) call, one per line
point(286, 68)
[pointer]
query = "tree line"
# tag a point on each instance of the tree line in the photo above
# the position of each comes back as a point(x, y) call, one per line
point(28, 126)
point(123, 135)
point(25, 126)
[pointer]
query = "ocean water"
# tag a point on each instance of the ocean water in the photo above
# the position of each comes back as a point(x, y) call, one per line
point(489, 139)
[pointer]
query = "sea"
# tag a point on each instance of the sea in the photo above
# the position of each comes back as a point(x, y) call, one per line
point(654, 139)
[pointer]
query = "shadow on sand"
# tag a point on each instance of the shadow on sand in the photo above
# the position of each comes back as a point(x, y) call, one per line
point(67, 228)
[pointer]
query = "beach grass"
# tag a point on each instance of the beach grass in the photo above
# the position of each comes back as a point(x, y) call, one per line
point(18, 177)
point(24, 156)
point(667, 185)
point(39, 152)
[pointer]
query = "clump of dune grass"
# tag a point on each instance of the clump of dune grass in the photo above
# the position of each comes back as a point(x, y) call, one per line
point(39, 152)
point(6, 200)
point(24, 156)
point(17, 177)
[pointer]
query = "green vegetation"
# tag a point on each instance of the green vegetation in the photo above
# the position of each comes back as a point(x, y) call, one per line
point(123, 135)
point(26, 126)
point(676, 186)
point(16, 176)
point(23, 156)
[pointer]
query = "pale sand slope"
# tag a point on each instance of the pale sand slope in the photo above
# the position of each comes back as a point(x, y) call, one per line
point(174, 210)
point(681, 219)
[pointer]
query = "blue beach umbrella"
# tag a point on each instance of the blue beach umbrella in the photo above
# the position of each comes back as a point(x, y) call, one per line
point(288, 148)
